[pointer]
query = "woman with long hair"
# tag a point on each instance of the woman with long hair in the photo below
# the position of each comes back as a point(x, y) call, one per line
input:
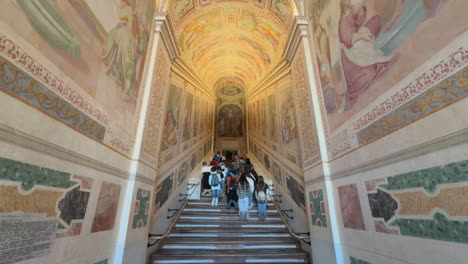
point(261, 192)
point(243, 190)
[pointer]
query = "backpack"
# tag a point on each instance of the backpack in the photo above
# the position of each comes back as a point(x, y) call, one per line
point(261, 195)
point(232, 184)
point(214, 180)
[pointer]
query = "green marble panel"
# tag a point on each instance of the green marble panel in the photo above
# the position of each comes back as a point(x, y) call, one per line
point(317, 203)
point(354, 260)
point(141, 212)
point(30, 175)
point(439, 228)
point(429, 178)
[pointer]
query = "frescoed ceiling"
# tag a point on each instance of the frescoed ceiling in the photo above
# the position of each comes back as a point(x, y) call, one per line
point(241, 39)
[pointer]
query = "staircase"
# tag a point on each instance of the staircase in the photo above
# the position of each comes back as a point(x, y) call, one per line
point(205, 234)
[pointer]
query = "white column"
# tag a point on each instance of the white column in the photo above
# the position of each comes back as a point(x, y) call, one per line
point(320, 125)
point(128, 197)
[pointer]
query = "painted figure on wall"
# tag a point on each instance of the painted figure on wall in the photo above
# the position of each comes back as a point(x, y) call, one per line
point(52, 26)
point(121, 49)
point(273, 128)
point(370, 34)
point(171, 126)
point(362, 63)
point(188, 116)
point(288, 119)
point(230, 118)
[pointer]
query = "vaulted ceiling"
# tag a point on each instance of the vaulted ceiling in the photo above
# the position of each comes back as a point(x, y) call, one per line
point(241, 39)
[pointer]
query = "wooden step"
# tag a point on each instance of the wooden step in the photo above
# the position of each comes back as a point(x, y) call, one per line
point(233, 225)
point(206, 238)
point(244, 246)
point(283, 258)
point(221, 218)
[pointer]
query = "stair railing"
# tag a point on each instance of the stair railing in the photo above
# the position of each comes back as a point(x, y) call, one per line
point(158, 237)
point(291, 231)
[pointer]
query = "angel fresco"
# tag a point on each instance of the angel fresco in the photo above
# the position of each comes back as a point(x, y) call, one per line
point(368, 47)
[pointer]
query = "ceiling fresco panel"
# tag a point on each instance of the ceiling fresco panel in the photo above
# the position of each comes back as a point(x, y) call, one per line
point(237, 39)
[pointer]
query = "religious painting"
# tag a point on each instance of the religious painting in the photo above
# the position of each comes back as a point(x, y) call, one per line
point(183, 172)
point(230, 90)
point(253, 37)
point(283, 9)
point(171, 124)
point(288, 119)
point(99, 45)
point(263, 116)
point(364, 48)
point(181, 7)
point(272, 117)
point(196, 116)
point(230, 120)
point(188, 116)
point(276, 170)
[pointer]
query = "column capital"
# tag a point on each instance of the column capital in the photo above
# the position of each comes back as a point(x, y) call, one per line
point(299, 30)
point(163, 26)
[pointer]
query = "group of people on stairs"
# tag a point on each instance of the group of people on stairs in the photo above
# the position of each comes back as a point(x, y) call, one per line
point(237, 179)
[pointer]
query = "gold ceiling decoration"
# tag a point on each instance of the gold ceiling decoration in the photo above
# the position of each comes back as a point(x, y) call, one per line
point(241, 39)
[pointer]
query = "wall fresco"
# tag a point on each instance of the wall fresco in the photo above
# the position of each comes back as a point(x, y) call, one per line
point(19, 84)
point(187, 124)
point(447, 92)
point(82, 40)
point(230, 121)
point(92, 58)
point(393, 29)
point(183, 172)
point(277, 173)
point(172, 121)
point(272, 119)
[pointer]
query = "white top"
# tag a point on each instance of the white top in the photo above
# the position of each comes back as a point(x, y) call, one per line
point(251, 184)
point(206, 169)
